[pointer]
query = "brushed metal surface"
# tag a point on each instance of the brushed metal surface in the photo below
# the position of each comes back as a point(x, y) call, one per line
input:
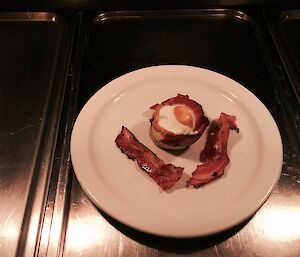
point(273, 231)
point(29, 116)
point(284, 27)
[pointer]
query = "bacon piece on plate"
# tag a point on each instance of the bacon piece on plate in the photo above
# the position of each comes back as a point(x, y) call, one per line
point(214, 155)
point(165, 175)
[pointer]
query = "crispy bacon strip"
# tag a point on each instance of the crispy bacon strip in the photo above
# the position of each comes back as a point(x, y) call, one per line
point(214, 155)
point(165, 175)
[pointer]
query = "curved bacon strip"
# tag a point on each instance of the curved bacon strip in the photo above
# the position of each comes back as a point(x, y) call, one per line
point(214, 155)
point(165, 175)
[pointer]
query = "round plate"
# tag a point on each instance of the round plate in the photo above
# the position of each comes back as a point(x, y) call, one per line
point(120, 188)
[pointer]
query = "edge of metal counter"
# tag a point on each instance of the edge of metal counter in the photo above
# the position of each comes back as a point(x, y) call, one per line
point(35, 222)
point(32, 224)
point(53, 230)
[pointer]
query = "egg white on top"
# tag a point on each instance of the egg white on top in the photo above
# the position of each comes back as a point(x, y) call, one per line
point(168, 121)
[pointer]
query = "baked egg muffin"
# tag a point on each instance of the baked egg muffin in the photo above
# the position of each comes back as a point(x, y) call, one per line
point(177, 123)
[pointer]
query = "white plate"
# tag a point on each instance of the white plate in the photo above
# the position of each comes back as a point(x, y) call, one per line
point(119, 187)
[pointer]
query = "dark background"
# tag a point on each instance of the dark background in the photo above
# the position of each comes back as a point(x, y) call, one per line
point(38, 5)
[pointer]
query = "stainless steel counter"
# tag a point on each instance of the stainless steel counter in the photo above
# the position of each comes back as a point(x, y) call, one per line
point(51, 206)
point(31, 96)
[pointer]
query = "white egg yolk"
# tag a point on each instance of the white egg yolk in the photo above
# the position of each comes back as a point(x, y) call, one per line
point(178, 119)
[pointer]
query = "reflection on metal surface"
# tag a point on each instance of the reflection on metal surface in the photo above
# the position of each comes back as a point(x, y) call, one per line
point(170, 14)
point(87, 229)
point(9, 231)
point(290, 15)
point(83, 233)
point(30, 48)
point(284, 27)
point(281, 223)
point(32, 16)
point(45, 233)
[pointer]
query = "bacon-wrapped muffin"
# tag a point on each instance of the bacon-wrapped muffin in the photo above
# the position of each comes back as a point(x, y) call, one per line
point(177, 122)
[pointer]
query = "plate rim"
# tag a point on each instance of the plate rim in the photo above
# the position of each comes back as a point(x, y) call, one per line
point(150, 69)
